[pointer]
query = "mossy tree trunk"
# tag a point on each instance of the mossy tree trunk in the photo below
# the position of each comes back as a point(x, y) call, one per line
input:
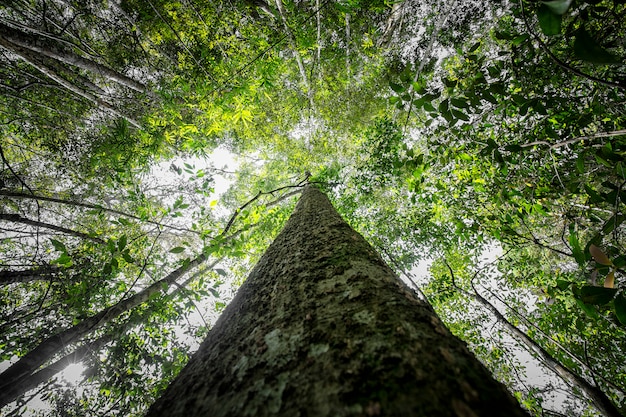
point(321, 327)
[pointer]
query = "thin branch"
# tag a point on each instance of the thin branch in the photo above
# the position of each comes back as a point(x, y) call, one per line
point(574, 140)
point(14, 194)
point(16, 218)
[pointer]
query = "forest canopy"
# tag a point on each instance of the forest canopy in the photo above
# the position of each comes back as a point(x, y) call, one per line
point(151, 150)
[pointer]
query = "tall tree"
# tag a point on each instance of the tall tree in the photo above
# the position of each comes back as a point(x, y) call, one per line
point(322, 325)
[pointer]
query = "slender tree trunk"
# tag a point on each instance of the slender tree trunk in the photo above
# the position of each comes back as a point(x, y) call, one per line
point(321, 327)
point(599, 399)
point(35, 44)
point(58, 200)
point(28, 364)
point(294, 46)
point(33, 381)
point(41, 273)
point(33, 59)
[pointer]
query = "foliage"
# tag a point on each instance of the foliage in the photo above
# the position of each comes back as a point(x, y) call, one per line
point(440, 131)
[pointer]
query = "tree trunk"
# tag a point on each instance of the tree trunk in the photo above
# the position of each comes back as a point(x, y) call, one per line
point(322, 326)
point(38, 273)
point(30, 57)
point(19, 373)
point(14, 391)
point(36, 44)
point(599, 399)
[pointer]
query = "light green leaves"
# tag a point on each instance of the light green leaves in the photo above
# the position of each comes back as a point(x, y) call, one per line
point(64, 259)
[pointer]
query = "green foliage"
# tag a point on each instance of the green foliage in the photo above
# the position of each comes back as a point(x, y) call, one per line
point(438, 135)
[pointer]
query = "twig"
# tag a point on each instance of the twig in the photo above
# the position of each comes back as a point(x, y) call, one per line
point(574, 140)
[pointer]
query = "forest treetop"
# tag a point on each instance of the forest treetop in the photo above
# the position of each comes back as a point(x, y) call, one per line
point(437, 130)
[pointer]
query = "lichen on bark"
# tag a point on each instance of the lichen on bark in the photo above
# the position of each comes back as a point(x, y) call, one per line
point(323, 327)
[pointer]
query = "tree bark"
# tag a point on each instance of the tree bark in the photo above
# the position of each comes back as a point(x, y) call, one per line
point(39, 273)
point(322, 326)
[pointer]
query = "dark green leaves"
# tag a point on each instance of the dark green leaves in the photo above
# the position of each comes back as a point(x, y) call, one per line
point(58, 245)
point(396, 87)
point(550, 14)
point(620, 307)
point(587, 49)
point(549, 22)
point(596, 295)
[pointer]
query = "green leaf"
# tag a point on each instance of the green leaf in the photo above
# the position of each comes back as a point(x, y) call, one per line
point(474, 47)
point(121, 243)
point(520, 39)
point(443, 106)
point(596, 295)
point(558, 6)
point(580, 163)
point(620, 307)
point(177, 249)
point(562, 284)
point(449, 83)
point(587, 49)
point(58, 245)
point(588, 309)
point(460, 103)
point(127, 257)
point(549, 22)
point(460, 115)
point(220, 271)
point(576, 249)
point(396, 87)
point(63, 260)
point(513, 148)
point(111, 245)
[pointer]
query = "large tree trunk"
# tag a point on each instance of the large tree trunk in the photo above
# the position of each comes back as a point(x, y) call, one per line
point(322, 326)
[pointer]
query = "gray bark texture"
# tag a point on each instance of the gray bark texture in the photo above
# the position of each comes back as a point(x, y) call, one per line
point(323, 327)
